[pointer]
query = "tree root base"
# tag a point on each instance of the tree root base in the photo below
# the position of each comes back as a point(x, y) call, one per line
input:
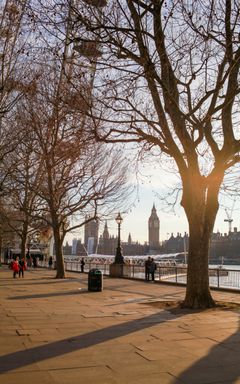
point(179, 306)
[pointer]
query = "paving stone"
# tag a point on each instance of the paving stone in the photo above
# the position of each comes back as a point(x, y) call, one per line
point(27, 332)
point(27, 377)
point(89, 375)
point(55, 331)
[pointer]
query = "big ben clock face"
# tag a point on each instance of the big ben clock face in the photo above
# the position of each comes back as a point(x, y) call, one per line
point(155, 223)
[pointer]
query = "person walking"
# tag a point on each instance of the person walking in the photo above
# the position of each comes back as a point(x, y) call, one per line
point(147, 268)
point(34, 260)
point(82, 264)
point(50, 262)
point(152, 268)
point(15, 267)
point(22, 267)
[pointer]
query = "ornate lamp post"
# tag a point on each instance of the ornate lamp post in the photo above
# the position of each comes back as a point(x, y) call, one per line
point(119, 256)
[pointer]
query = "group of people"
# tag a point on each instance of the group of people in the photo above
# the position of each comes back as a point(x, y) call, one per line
point(150, 268)
point(18, 267)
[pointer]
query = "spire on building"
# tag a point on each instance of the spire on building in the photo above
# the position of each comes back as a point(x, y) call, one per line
point(154, 212)
point(153, 229)
point(129, 238)
point(105, 231)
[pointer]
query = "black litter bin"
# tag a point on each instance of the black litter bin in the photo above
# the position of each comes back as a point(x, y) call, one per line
point(95, 281)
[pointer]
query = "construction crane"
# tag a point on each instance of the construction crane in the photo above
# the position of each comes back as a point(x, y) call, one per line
point(228, 220)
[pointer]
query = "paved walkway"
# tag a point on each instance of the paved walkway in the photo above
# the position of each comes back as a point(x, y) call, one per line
point(57, 332)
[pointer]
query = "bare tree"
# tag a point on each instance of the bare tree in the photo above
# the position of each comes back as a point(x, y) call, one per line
point(78, 176)
point(168, 78)
point(21, 181)
point(15, 81)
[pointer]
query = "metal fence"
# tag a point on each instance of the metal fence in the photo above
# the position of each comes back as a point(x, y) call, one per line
point(218, 277)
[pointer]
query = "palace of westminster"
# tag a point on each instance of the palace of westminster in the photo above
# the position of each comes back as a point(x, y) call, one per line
point(225, 246)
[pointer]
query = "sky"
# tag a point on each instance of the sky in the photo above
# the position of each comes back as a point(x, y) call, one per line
point(135, 221)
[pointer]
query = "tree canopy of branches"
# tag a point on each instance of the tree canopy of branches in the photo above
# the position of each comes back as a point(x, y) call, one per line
point(14, 76)
point(22, 176)
point(168, 78)
point(60, 170)
point(76, 175)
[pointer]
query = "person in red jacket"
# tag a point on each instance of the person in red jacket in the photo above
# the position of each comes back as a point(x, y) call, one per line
point(15, 267)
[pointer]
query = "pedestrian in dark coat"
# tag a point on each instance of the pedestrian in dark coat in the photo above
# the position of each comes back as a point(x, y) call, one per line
point(50, 262)
point(147, 268)
point(34, 260)
point(152, 269)
point(82, 264)
point(22, 267)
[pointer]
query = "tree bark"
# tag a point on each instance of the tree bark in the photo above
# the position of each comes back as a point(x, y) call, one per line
point(198, 293)
point(24, 239)
point(59, 255)
point(200, 201)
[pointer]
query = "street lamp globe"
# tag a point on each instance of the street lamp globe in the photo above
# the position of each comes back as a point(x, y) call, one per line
point(119, 219)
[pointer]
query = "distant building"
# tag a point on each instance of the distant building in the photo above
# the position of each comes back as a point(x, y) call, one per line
point(153, 231)
point(225, 248)
point(74, 246)
point(76, 249)
point(176, 243)
point(108, 244)
point(68, 249)
point(80, 249)
point(91, 235)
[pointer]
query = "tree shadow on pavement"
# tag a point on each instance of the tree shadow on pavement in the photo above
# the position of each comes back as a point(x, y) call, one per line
point(219, 365)
point(49, 294)
point(23, 358)
point(40, 281)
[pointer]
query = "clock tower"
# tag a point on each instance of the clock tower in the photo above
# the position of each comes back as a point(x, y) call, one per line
point(153, 229)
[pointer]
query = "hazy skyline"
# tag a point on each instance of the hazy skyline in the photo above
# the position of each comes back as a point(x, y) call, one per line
point(136, 221)
point(155, 178)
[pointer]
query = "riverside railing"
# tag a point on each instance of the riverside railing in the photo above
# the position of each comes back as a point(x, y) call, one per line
point(218, 277)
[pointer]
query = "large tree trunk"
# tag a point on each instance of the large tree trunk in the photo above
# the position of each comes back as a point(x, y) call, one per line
point(198, 293)
point(59, 254)
point(200, 201)
point(24, 240)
